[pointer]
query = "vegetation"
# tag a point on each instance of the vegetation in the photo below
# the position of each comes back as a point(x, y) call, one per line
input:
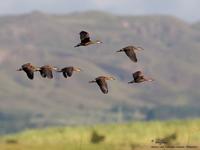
point(129, 136)
point(96, 138)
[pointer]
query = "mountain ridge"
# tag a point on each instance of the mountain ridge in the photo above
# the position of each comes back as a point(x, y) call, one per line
point(171, 56)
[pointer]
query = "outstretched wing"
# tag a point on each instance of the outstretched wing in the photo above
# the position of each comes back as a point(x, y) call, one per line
point(65, 74)
point(69, 71)
point(30, 73)
point(131, 54)
point(103, 85)
point(49, 73)
point(42, 72)
point(131, 47)
point(137, 74)
point(45, 72)
point(84, 36)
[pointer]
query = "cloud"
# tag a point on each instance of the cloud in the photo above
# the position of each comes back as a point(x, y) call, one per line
point(186, 9)
point(109, 3)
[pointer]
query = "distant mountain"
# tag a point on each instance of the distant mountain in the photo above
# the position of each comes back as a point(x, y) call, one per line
point(171, 57)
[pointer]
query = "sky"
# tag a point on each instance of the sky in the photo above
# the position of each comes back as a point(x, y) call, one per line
point(185, 9)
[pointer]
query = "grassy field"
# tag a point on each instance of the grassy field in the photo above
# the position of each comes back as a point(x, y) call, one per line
point(129, 136)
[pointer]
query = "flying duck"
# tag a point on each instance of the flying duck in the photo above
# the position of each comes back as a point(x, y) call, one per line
point(85, 39)
point(130, 52)
point(138, 77)
point(29, 69)
point(47, 71)
point(101, 81)
point(68, 71)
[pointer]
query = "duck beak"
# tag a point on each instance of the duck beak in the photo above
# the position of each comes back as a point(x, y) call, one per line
point(112, 78)
point(98, 42)
point(77, 69)
point(38, 69)
point(56, 68)
point(140, 48)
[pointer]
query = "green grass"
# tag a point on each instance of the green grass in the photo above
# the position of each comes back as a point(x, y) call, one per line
point(129, 136)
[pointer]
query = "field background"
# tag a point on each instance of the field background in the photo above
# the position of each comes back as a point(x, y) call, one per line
point(129, 136)
point(70, 113)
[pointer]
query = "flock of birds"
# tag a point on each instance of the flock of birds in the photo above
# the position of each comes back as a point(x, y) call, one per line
point(47, 70)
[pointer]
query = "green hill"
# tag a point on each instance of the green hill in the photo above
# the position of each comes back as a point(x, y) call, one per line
point(130, 136)
point(171, 57)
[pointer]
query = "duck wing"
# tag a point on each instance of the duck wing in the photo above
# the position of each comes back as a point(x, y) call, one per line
point(49, 73)
point(69, 71)
point(29, 73)
point(137, 74)
point(103, 85)
point(65, 74)
point(131, 54)
point(46, 72)
point(84, 37)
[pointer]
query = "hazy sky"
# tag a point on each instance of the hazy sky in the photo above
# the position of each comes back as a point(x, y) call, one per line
point(185, 9)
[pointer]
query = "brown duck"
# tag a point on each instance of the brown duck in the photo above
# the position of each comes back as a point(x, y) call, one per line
point(68, 71)
point(85, 39)
point(138, 77)
point(29, 69)
point(101, 81)
point(47, 71)
point(130, 52)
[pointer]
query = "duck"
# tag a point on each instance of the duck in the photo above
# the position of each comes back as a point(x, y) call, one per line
point(47, 71)
point(68, 71)
point(101, 82)
point(29, 69)
point(138, 77)
point(85, 39)
point(130, 52)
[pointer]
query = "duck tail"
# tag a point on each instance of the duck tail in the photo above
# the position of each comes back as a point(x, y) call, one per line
point(150, 79)
point(93, 81)
point(78, 45)
point(131, 82)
